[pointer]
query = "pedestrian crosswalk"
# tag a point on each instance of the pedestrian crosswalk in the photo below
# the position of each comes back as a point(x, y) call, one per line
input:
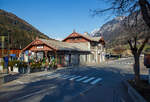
point(78, 78)
point(81, 78)
point(96, 81)
point(74, 78)
point(86, 81)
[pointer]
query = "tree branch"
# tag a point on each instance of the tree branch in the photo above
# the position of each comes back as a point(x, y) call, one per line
point(131, 46)
point(143, 45)
point(135, 42)
point(144, 10)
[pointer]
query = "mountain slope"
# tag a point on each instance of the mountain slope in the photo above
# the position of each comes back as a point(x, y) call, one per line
point(21, 32)
point(111, 28)
point(114, 33)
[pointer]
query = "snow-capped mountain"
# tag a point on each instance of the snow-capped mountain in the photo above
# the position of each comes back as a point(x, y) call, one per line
point(114, 33)
point(109, 28)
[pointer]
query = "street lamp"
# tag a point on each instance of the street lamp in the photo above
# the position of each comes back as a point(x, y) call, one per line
point(3, 46)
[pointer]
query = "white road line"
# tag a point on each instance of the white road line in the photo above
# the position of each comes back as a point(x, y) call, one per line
point(69, 77)
point(62, 75)
point(65, 76)
point(31, 94)
point(51, 74)
point(86, 81)
point(54, 75)
point(20, 82)
point(74, 77)
point(96, 81)
point(81, 78)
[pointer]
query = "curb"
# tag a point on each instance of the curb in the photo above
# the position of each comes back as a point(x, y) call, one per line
point(135, 96)
point(8, 78)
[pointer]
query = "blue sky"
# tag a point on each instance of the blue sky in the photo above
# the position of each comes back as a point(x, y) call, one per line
point(57, 18)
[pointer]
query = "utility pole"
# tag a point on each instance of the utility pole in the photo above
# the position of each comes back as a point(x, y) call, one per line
point(3, 39)
point(9, 43)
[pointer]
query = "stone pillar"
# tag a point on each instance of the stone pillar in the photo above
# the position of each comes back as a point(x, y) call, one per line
point(100, 57)
point(96, 55)
point(56, 57)
point(89, 58)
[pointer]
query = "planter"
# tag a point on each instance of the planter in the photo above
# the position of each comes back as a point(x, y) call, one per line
point(32, 70)
point(135, 96)
point(1, 68)
point(15, 69)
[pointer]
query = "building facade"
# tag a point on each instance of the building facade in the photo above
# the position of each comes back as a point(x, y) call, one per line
point(64, 53)
point(74, 50)
point(96, 45)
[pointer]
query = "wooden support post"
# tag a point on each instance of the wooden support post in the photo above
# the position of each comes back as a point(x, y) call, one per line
point(56, 57)
point(45, 54)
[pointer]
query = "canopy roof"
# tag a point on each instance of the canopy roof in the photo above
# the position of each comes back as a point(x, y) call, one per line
point(61, 46)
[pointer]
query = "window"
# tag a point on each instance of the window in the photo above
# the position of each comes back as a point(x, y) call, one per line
point(39, 47)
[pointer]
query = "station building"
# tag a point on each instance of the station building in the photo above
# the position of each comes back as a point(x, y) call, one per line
point(76, 49)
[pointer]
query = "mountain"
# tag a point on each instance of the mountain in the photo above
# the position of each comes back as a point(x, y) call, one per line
point(111, 28)
point(114, 33)
point(21, 33)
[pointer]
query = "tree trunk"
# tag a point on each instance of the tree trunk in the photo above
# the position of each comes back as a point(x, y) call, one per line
point(137, 68)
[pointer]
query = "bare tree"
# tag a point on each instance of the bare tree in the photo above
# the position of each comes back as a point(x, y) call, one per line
point(136, 27)
point(127, 7)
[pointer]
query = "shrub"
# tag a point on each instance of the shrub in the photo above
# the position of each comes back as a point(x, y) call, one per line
point(36, 65)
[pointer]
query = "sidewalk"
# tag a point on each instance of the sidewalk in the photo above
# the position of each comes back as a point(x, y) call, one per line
point(13, 76)
point(9, 77)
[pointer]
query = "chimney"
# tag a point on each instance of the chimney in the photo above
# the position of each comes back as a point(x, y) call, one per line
point(74, 31)
point(37, 38)
point(86, 33)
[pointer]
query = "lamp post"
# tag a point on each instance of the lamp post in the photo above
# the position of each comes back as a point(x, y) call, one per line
point(3, 37)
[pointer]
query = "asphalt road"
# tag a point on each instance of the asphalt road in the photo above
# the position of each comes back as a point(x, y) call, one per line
point(99, 83)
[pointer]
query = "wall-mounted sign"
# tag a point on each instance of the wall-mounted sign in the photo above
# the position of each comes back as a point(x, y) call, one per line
point(39, 47)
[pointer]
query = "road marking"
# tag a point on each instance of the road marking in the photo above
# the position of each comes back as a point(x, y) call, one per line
point(32, 94)
point(20, 82)
point(96, 81)
point(74, 77)
point(54, 75)
point(81, 78)
point(63, 76)
point(86, 81)
point(69, 77)
point(51, 74)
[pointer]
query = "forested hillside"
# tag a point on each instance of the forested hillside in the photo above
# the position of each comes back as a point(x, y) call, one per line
point(21, 33)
